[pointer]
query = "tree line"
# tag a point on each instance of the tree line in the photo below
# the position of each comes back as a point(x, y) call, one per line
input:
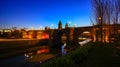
point(106, 12)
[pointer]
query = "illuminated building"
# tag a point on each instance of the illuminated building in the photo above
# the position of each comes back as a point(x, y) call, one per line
point(5, 33)
point(66, 26)
point(35, 34)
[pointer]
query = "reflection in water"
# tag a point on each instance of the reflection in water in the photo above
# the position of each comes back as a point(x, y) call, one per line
point(28, 56)
point(36, 55)
point(63, 49)
point(29, 59)
point(17, 61)
point(43, 50)
point(23, 59)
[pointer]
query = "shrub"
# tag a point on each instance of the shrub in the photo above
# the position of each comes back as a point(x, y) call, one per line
point(72, 59)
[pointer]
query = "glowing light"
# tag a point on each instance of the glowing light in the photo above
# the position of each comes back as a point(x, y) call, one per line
point(25, 36)
point(38, 37)
point(63, 49)
point(45, 36)
point(39, 52)
point(118, 31)
point(75, 25)
point(7, 30)
point(85, 41)
point(82, 38)
point(69, 22)
point(87, 32)
point(29, 36)
point(99, 18)
point(32, 28)
point(52, 25)
point(43, 50)
point(40, 27)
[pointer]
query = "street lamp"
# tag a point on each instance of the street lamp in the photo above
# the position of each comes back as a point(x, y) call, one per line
point(52, 25)
point(101, 26)
point(40, 27)
point(69, 23)
point(99, 18)
point(75, 25)
point(32, 28)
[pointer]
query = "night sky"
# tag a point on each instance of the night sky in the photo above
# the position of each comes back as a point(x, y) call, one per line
point(41, 13)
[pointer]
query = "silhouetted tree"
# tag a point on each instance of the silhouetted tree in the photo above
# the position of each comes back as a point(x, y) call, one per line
point(116, 15)
point(106, 12)
point(99, 15)
point(109, 12)
point(16, 34)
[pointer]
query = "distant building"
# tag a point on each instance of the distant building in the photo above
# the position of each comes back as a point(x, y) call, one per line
point(72, 33)
point(60, 25)
point(35, 34)
point(5, 33)
point(66, 26)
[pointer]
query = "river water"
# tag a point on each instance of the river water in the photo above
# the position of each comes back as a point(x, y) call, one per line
point(23, 60)
point(18, 61)
point(30, 59)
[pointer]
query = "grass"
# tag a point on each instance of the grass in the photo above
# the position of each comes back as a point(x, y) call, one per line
point(90, 55)
point(102, 57)
point(72, 59)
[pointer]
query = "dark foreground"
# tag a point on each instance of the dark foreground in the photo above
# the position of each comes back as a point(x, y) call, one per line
point(88, 56)
point(102, 57)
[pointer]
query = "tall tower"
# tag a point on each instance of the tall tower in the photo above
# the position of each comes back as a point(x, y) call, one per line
point(60, 25)
point(66, 26)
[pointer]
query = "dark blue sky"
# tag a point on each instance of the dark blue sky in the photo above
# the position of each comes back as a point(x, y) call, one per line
point(36, 13)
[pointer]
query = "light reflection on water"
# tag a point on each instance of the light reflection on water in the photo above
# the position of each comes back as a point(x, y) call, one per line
point(22, 60)
point(63, 49)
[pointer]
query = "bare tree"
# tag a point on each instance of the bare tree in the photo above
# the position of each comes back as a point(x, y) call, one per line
point(119, 10)
point(106, 12)
point(109, 11)
point(99, 15)
point(115, 15)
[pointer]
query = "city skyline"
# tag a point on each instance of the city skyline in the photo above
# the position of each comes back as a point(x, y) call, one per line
point(41, 13)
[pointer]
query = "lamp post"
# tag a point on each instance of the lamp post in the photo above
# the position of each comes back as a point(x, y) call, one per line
point(75, 25)
point(100, 20)
point(69, 23)
point(32, 28)
point(52, 26)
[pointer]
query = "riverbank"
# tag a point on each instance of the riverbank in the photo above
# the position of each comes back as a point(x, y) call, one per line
point(71, 59)
point(88, 56)
point(12, 43)
point(102, 57)
point(11, 47)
